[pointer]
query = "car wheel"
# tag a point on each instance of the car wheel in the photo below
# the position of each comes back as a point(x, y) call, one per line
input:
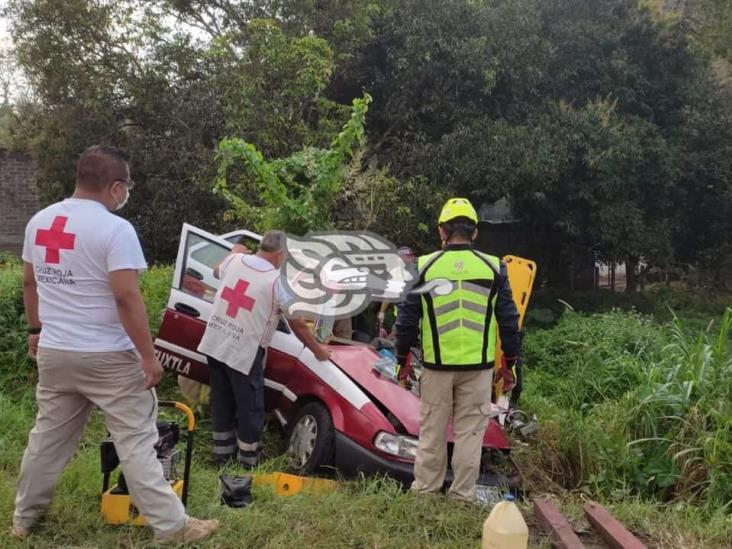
point(311, 441)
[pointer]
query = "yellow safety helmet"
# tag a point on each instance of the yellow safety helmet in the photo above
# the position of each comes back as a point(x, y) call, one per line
point(457, 207)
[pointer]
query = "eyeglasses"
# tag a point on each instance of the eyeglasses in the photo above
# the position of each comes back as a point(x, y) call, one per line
point(130, 184)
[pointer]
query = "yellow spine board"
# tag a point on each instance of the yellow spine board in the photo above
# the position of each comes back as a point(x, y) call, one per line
point(521, 275)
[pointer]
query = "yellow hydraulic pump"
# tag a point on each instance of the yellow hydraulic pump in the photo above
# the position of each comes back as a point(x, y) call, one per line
point(117, 507)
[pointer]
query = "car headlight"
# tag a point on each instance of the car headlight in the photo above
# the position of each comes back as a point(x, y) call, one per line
point(397, 445)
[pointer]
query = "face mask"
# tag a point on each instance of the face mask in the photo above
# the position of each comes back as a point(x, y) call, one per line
point(122, 204)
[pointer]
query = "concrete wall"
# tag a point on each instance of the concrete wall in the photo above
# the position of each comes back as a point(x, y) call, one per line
point(18, 198)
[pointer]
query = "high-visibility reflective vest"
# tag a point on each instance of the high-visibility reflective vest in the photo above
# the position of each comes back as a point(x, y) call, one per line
point(459, 329)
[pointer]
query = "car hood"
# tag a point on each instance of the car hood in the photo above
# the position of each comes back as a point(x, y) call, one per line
point(357, 362)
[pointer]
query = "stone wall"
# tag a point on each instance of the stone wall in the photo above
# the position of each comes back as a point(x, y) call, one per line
point(18, 198)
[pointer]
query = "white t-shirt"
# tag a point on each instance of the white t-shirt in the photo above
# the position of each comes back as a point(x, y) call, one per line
point(73, 245)
point(246, 310)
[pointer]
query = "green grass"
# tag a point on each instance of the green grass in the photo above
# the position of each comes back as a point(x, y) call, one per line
point(366, 513)
point(369, 513)
point(155, 286)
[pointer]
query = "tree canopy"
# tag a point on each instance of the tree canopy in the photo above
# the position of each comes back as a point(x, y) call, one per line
point(606, 124)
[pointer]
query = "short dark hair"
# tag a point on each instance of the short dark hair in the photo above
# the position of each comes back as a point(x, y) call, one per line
point(461, 227)
point(99, 166)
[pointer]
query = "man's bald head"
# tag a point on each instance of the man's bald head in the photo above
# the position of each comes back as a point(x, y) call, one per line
point(100, 166)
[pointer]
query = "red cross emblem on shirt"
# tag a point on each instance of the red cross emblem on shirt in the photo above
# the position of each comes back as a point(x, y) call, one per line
point(237, 298)
point(55, 239)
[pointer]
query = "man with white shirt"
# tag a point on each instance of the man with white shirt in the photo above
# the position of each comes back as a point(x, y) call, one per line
point(88, 330)
point(246, 310)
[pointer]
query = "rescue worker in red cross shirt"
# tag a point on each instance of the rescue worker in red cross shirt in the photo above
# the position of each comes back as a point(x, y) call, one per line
point(246, 311)
point(471, 299)
point(88, 331)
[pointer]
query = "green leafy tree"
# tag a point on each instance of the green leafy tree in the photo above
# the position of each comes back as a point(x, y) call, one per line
point(703, 198)
point(609, 194)
point(575, 110)
point(166, 82)
point(604, 122)
point(710, 21)
point(295, 193)
point(404, 211)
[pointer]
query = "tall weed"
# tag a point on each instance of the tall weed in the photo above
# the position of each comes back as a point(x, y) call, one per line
point(585, 360)
point(692, 394)
point(155, 286)
point(16, 369)
point(640, 408)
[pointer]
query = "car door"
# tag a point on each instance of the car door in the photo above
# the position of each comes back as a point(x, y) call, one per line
point(189, 305)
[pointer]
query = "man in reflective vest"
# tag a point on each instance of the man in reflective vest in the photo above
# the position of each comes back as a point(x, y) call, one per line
point(457, 319)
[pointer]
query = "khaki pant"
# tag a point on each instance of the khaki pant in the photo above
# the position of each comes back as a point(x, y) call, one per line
point(466, 396)
point(69, 385)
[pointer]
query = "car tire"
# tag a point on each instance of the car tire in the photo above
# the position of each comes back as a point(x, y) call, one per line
point(311, 439)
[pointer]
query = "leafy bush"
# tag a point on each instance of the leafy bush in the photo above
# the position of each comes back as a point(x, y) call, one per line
point(155, 286)
point(585, 360)
point(17, 372)
point(630, 406)
point(295, 193)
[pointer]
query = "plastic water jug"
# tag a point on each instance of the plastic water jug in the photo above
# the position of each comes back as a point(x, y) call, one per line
point(505, 527)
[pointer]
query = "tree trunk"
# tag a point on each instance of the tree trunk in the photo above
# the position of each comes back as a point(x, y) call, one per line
point(631, 280)
point(612, 275)
point(642, 278)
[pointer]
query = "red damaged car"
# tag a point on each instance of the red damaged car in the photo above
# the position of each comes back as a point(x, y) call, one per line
point(340, 413)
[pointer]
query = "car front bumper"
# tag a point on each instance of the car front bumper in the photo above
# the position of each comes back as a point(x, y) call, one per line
point(352, 459)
